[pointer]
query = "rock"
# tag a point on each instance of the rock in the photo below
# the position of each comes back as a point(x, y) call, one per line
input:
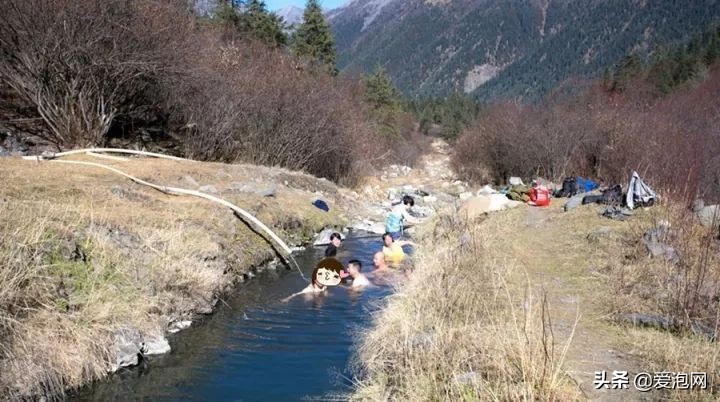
point(429, 199)
point(177, 326)
point(393, 193)
point(656, 249)
point(468, 378)
point(486, 190)
point(155, 345)
point(421, 212)
point(617, 213)
point(573, 202)
point(191, 181)
point(654, 242)
point(268, 192)
point(128, 343)
point(601, 234)
point(369, 226)
point(465, 196)
point(421, 193)
point(483, 204)
point(709, 216)
point(323, 238)
point(209, 188)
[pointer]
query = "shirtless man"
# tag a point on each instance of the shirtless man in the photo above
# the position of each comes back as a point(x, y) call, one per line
point(359, 280)
point(381, 266)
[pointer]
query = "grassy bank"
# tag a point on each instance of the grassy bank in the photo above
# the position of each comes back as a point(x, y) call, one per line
point(530, 303)
point(466, 326)
point(85, 254)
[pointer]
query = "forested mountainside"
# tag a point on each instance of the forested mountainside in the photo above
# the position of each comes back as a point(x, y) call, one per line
point(495, 48)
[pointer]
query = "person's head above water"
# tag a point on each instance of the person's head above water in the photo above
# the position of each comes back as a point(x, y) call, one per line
point(354, 267)
point(335, 239)
point(379, 260)
point(328, 272)
point(387, 239)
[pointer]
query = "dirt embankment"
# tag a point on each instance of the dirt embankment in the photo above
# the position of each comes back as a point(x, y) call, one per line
point(96, 269)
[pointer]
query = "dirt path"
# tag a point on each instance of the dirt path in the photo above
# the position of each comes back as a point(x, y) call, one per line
point(553, 247)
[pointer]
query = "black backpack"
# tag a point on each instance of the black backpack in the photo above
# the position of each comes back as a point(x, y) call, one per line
point(569, 188)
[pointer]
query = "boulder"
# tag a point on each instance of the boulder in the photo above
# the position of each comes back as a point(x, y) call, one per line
point(574, 202)
point(270, 191)
point(465, 196)
point(155, 345)
point(368, 226)
point(393, 193)
point(128, 347)
point(654, 239)
point(323, 238)
point(483, 204)
point(177, 326)
point(486, 190)
point(709, 216)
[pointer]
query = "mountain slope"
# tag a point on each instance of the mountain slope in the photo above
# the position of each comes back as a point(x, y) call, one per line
point(496, 48)
point(290, 14)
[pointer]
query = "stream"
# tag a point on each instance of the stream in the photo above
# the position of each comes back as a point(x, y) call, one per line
point(256, 347)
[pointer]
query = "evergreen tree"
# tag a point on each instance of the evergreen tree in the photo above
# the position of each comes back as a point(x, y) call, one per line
point(253, 19)
point(313, 39)
point(380, 91)
point(628, 68)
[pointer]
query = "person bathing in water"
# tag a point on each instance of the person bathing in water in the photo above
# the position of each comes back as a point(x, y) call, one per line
point(381, 266)
point(335, 241)
point(393, 249)
point(358, 279)
point(327, 272)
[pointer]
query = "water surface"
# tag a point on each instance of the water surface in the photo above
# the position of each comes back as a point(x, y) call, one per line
point(258, 348)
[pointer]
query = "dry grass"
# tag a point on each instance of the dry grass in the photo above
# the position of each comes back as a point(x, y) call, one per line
point(686, 294)
point(84, 253)
point(466, 326)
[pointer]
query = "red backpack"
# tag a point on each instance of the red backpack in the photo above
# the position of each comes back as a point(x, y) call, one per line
point(539, 196)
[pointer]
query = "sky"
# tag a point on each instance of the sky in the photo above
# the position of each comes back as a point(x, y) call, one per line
point(274, 5)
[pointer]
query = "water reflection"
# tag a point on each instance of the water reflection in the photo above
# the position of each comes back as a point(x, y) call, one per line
point(258, 348)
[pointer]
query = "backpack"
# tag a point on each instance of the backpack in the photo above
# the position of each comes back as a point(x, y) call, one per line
point(569, 187)
point(539, 196)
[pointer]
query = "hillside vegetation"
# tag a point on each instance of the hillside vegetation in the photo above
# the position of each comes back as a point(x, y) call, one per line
point(498, 49)
point(224, 87)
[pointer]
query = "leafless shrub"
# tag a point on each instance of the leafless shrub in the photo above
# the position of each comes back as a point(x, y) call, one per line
point(84, 63)
point(238, 109)
point(673, 141)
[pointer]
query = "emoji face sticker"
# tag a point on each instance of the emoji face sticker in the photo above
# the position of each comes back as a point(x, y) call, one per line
point(328, 272)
